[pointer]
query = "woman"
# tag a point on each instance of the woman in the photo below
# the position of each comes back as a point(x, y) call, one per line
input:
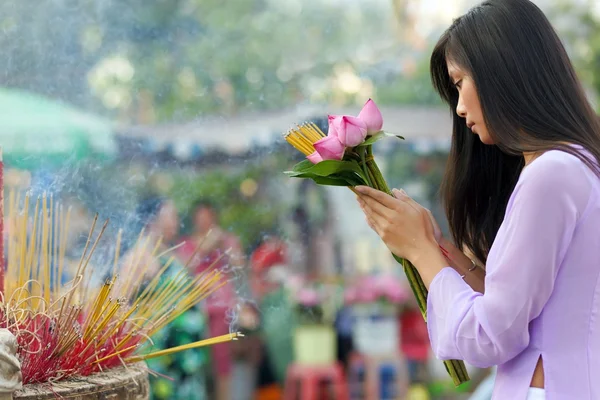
point(214, 247)
point(522, 196)
point(269, 268)
point(179, 376)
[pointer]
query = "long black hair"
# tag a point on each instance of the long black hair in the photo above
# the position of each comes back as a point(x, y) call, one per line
point(531, 99)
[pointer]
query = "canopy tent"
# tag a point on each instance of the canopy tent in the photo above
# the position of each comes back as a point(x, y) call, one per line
point(36, 130)
point(426, 128)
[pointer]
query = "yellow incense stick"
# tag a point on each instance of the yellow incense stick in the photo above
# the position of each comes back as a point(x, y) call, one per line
point(115, 354)
point(201, 343)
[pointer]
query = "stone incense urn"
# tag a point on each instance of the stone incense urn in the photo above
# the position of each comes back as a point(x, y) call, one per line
point(122, 383)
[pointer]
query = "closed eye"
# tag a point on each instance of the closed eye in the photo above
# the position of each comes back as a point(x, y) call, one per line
point(458, 84)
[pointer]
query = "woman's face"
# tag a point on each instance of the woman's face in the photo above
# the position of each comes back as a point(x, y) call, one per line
point(469, 106)
point(167, 222)
point(204, 219)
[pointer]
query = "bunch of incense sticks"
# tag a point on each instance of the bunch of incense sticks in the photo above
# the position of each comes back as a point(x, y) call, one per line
point(74, 328)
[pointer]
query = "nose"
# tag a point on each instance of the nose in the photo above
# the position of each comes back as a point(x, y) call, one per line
point(461, 110)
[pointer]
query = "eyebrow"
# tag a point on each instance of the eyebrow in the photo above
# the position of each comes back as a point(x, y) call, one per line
point(451, 72)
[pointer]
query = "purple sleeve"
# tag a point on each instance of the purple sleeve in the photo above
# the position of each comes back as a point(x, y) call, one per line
point(492, 328)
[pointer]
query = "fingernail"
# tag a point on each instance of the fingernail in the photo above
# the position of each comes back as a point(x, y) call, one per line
point(359, 189)
point(402, 191)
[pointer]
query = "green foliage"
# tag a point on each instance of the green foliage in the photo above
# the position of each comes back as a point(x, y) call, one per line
point(192, 57)
point(249, 218)
point(412, 88)
point(579, 27)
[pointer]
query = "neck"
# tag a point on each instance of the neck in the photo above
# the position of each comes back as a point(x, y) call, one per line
point(532, 155)
point(529, 157)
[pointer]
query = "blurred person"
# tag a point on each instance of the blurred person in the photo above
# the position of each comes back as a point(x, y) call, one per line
point(179, 376)
point(268, 265)
point(217, 248)
point(414, 343)
point(522, 193)
point(269, 270)
point(344, 327)
point(247, 354)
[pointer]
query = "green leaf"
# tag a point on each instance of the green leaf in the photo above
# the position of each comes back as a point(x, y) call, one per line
point(372, 139)
point(388, 134)
point(329, 168)
point(302, 166)
point(330, 181)
point(349, 178)
point(380, 135)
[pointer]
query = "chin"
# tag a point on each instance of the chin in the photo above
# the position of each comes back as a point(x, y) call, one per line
point(486, 139)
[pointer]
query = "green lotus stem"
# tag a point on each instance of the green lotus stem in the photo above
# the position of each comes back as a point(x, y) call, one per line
point(456, 368)
point(373, 178)
point(374, 168)
point(365, 167)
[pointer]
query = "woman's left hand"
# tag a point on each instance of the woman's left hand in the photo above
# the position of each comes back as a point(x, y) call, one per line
point(403, 224)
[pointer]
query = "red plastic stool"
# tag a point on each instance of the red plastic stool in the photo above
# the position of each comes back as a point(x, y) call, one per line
point(308, 378)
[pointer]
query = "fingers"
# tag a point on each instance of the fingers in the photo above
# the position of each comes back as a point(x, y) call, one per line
point(402, 195)
point(372, 218)
point(398, 193)
point(378, 195)
point(370, 223)
point(368, 203)
point(426, 215)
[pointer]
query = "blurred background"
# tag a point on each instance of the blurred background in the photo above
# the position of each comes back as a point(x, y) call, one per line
point(111, 104)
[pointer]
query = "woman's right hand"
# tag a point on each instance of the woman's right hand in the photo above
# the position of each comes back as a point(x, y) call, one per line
point(437, 231)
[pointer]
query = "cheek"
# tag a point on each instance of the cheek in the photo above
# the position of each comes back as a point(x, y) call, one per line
point(486, 138)
point(471, 100)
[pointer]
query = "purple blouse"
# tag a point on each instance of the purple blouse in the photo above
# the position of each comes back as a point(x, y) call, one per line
point(542, 289)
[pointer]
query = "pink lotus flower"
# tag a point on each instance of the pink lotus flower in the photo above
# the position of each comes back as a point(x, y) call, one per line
point(315, 157)
point(332, 130)
point(350, 295)
point(329, 148)
point(371, 116)
point(351, 131)
point(370, 289)
point(366, 296)
point(390, 288)
point(347, 131)
point(308, 297)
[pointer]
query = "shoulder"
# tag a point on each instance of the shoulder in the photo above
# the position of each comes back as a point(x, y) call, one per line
point(556, 165)
point(557, 174)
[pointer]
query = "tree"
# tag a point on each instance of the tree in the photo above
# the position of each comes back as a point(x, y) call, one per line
point(156, 60)
point(579, 25)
